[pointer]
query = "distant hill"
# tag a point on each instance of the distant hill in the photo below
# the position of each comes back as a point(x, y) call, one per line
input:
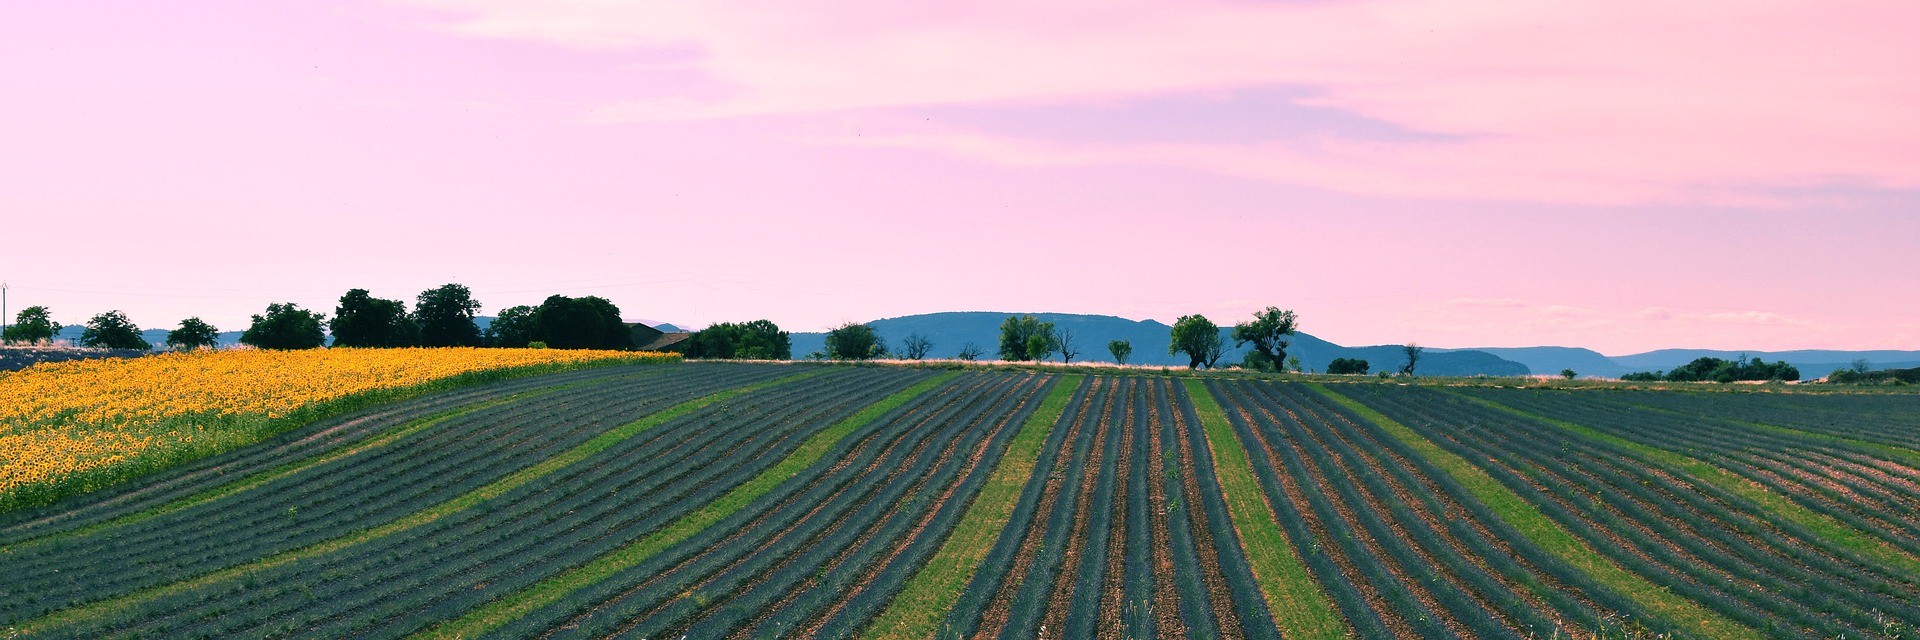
point(949, 331)
point(1552, 360)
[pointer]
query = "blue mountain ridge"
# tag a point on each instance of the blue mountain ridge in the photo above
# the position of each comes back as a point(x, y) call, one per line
point(950, 331)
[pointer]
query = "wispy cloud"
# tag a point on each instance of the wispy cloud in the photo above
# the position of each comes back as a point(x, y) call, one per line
point(1713, 102)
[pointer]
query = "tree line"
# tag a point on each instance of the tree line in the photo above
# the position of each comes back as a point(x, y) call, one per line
point(441, 317)
point(1710, 369)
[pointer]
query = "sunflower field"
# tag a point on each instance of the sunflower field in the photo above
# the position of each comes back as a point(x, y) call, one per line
point(74, 426)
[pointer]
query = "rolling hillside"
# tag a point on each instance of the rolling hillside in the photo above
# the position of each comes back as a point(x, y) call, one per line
point(949, 331)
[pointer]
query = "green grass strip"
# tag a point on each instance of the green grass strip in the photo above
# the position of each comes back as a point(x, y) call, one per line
point(1300, 608)
point(924, 602)
point(1826, 527)
point(547, 591)
point(1543, 532)
point(419, 518)
point(254, 481)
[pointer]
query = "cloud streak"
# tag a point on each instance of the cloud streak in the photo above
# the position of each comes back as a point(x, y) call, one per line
point(1635, 101)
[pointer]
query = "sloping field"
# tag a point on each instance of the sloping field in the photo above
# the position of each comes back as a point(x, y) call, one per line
point(752, 501)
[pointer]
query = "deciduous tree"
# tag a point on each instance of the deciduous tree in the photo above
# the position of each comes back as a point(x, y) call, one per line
point(32, 325)
point(916, 346)
point(854, 341)
point(1347, 366)
point(362, 320)
point(512, 329)
point(756, 340)
point(1063, 338)
point(1413, 352)
point(970, 352)
point(112, 330)
point(1268, 332)
point(285, 326)
point(445, 315)
point(1121, 350)
point(193, 333)
point(590, 322)
point(1016, 338)
point(1199, 338)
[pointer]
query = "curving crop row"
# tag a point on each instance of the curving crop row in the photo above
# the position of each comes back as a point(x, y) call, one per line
point(560, 520)
point(317, 504)
point(200, 480)
point(450, 470)
point(799, 518)
point(1688, 536)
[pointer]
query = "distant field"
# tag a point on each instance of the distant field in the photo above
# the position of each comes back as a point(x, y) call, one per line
point(712, 500)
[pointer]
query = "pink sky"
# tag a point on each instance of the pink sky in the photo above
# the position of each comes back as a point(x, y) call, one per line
point(1623, 176)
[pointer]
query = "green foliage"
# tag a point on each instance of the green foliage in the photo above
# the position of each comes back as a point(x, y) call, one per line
point(1883, 376)
point(512, 329)
point(286, 326)
point(757, 340)
point(445, 316)
point(580, 323)
point(1017, 335)
point(1568, 374)
point(1121, 350)
point(1413, 352)
point(33, 324)
point(854, 341)
point(1348, 366)
point(1199, 338)
point(1710, 369)
point(1039, 347)
point(362, 320)
point(536, 344)
point(112, 330)
point(1268, 332)
point(193, 333)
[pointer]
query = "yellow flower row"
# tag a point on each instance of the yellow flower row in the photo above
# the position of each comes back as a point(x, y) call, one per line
point(60, 419)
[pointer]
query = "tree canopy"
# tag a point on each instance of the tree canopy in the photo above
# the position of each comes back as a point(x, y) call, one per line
point(112, 330)
point(33, 324)
point(285, 326)
point(1017, 335)
point(1199, 338)
point(193, 333)
point(445, 316)
point(1121, 350)
point(1268, 332)
point(756, 340)
point(362, 320)
point(590, 322)
point(1710, 369)
point(1345, 366)
point(512, 329)
point(854, 341)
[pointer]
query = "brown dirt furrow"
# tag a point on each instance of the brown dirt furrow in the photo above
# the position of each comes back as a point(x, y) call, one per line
point(1905, 490)
point(764, 520)
point(1371, 545)
point(1166, 598)
point(1434, 528)
point(872, 570)
point(1323, 536)
point(1000, 608)
point(1060, 598)
point(1219, 596)
point(866, 536)
point(1113, 598)
point(1450, 511)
